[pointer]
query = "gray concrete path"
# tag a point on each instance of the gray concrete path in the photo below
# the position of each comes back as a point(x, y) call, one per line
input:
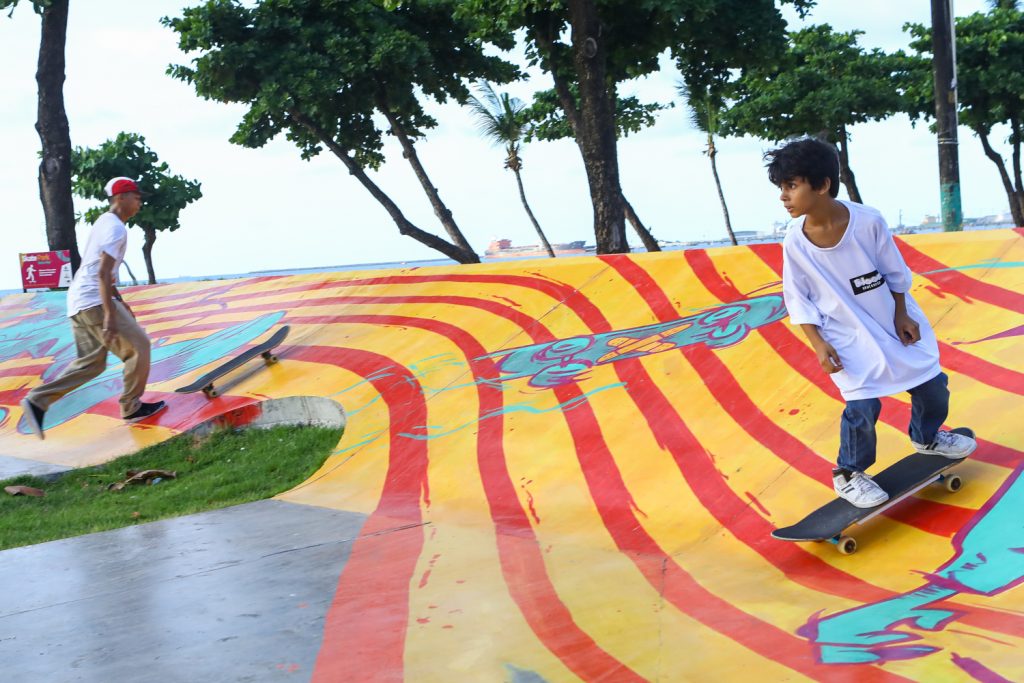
point(15, 467)
point(238, 594)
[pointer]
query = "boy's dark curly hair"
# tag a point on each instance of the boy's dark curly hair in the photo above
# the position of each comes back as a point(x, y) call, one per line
point(807, 158)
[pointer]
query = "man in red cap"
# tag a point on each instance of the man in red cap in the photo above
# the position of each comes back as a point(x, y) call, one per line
point(100, 319)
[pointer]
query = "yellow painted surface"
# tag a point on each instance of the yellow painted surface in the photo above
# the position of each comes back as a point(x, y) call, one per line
point(564, 481)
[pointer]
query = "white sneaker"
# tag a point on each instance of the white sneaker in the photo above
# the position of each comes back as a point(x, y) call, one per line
point(858, 489)
point(949, 445)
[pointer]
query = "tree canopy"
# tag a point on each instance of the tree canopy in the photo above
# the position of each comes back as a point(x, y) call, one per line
point(52, 126)
point(990, 90)
point(545, 119)
point(824, 84)
point(589, 47)
point(323, 74)
point(165, 194)
point(37, 5)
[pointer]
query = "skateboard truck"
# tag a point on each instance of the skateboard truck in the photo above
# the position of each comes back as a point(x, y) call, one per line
point(212, 391)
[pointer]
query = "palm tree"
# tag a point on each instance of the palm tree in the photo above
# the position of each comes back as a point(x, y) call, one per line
point(705, 109)
point(500, 119)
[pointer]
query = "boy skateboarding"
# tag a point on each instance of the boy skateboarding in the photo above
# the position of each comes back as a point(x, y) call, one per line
point(847, 287)
point(100, 320)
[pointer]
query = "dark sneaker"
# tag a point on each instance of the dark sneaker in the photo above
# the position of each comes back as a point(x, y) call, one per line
point(33, 417)
point(145, 410)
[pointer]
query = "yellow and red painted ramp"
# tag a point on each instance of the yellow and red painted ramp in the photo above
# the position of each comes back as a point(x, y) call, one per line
point(571, 468)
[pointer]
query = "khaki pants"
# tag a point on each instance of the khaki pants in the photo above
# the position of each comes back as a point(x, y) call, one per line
point(130, 345)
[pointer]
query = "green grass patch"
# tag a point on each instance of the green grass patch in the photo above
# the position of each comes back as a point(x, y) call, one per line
point(226, 468)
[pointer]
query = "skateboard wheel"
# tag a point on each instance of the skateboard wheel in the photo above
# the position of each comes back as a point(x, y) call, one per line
point(847, 545)
point(269, 358)
point(211, 392)
point(953, 483)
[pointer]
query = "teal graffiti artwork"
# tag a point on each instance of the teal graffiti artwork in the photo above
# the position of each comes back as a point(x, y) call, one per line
point(168, 361)
point(427, 432)
point(565, 361)
point(988, 559)
point(40, 333)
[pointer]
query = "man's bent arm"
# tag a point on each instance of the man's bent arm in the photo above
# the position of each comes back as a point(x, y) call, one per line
point(108, 293)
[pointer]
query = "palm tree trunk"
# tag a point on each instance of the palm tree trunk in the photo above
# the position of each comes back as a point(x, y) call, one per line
point(536, 225)
point(442, 212)
point(405, 227)
point(54, 133)
point(712, 153)
point(147, 253)
point(650, 244)
point(1015, 140)
point(845, 172)
point(135, 280)
point(1012, 195)
point(593, 122)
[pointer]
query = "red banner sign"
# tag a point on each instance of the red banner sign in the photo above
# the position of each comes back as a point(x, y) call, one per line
point(46, 270)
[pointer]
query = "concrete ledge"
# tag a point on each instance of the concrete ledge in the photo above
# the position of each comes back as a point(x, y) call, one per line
point(313, 411)
point(15, 467)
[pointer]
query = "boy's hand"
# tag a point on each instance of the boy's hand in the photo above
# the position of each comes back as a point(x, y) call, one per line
point(828, 358)
point(907, 328)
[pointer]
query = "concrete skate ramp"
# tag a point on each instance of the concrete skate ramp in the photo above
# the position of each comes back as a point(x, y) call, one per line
point(571, 468)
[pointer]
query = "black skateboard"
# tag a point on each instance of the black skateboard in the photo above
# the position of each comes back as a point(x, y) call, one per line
point(205, 383)
point(900, 480)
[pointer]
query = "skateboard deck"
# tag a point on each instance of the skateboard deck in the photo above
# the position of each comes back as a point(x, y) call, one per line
point(265, 349)
point(900, 480)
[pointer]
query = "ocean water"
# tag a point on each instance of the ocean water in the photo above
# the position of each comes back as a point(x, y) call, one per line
point(393, 265)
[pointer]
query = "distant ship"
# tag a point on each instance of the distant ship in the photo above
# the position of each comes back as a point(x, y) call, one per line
point(502, 248)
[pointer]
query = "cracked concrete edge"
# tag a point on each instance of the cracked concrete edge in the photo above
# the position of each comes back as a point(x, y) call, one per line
point(314, 411)
point(11, 467)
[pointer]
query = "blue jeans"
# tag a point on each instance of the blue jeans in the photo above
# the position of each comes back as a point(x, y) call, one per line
point(929, 407)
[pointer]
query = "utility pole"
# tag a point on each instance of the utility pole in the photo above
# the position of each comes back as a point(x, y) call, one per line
point(944, 72)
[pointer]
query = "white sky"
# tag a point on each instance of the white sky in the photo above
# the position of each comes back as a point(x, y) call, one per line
point(267, 209)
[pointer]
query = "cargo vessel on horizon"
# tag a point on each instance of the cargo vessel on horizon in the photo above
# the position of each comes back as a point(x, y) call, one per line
point(502, 248)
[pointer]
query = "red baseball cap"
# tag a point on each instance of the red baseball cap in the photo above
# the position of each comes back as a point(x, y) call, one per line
point(120, 185)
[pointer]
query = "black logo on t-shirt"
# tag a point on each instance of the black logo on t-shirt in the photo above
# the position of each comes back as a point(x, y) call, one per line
point(866, 282)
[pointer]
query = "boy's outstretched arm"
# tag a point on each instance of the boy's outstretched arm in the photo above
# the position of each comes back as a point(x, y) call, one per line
point(907, 328)
point(827, 356)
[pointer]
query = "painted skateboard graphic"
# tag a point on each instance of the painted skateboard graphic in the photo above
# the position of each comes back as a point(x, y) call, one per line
point(900, 480)
point(265, 349)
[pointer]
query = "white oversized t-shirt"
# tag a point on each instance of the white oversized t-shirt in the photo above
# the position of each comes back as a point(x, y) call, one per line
point(845, 291)
point(107, 235)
